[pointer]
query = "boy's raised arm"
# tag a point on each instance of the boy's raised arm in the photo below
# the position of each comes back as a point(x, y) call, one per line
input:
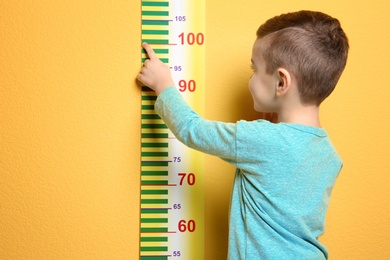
point(155, 74)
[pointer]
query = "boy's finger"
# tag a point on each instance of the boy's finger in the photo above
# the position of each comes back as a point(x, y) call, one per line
point(152, 55)
point(141, 78)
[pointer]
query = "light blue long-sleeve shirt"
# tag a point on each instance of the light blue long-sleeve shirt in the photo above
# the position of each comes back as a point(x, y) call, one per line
point(283, 181)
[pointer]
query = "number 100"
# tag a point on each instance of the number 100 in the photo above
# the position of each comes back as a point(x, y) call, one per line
point(191, 38)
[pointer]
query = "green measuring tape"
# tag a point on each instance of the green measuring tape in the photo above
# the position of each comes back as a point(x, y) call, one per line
point(172, 186)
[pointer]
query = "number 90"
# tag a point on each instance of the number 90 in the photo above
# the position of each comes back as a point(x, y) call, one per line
point(184, 85)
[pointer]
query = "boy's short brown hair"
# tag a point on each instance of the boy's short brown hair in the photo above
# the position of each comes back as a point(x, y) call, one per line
point(312, 45)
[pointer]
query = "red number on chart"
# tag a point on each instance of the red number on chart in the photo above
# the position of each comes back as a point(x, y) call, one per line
point(191, 38)
point(184, 85)
point(184, 226)
point(190, 177)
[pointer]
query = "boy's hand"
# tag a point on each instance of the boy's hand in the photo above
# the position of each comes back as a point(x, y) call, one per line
point(155, 74)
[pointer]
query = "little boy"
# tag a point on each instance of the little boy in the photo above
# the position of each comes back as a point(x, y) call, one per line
point(286, 170)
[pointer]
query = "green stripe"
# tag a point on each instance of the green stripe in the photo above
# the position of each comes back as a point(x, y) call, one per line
point(154, 126)
point(154, 182)
point(155, 13)
point(154, 211)
point(159, 51)
point(150, 41)
point(154, 230)
point(150, 116)
point(154, 145)
point(154, 257)
point(154, 220)
point(146, 89)
point(158, 163)
point(154, 192)
point(154, 154)
point(147, 107)
point(154, 173)
point(154, 239)
point(149, 97)
point(153, 135)
point(154, 248)
point(155, 32)
point(155, 3)
point(155, 22)
point(165, 60)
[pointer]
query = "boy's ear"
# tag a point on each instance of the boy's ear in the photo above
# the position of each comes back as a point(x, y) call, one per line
point(283, 82)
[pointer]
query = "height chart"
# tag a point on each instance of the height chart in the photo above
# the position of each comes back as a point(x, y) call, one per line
point(172, 188)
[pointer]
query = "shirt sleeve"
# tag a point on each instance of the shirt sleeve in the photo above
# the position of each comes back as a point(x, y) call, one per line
point(211, 137)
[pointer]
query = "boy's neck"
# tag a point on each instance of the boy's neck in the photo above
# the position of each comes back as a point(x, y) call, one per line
point(303, 114)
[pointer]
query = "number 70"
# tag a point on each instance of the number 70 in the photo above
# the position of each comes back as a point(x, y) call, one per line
point(190, 177)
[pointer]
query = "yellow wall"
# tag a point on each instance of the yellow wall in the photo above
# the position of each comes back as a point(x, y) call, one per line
point(70, 119)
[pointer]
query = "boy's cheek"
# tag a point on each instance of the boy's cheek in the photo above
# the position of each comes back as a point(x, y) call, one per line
point(251, 83)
